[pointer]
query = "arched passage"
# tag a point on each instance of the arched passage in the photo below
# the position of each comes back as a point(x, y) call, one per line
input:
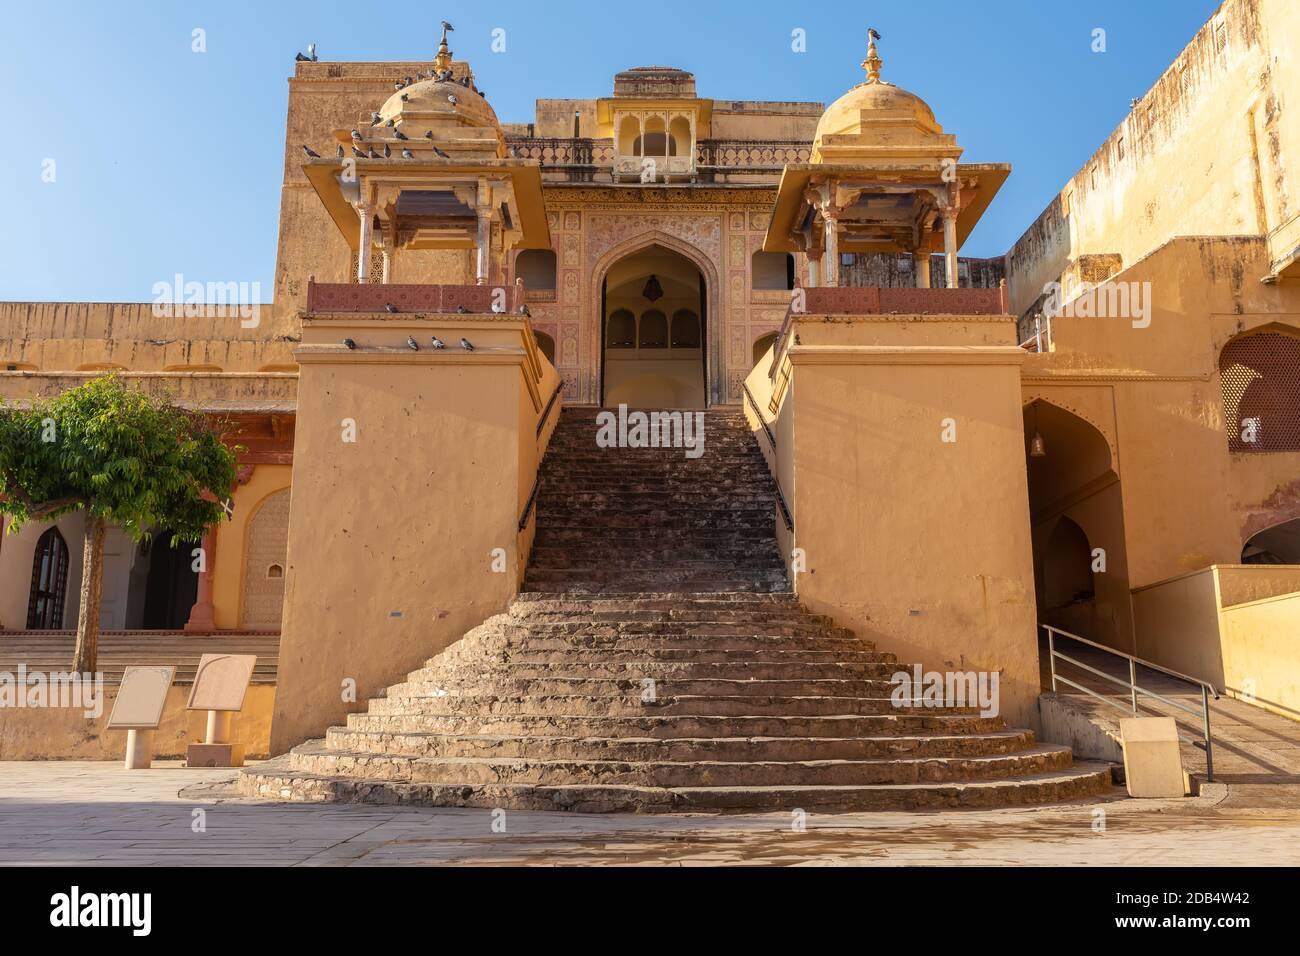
point(1279, 544)
point(1077, 518)
point(653, 311)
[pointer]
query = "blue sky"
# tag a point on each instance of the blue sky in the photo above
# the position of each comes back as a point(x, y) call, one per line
point(169, 161)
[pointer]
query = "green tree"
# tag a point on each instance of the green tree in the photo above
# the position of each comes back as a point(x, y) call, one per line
point(127, 458)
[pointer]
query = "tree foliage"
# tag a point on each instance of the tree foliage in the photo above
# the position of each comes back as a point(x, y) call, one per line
point(125, 457)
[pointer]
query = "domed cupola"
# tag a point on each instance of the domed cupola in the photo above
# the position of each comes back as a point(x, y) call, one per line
point(876, 113)
point(440, 112)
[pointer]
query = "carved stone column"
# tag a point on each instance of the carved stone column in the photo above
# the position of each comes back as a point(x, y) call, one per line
point(950, 243)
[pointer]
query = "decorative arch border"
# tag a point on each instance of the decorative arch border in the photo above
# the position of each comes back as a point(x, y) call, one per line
point(715, 320)
point(1029, 396)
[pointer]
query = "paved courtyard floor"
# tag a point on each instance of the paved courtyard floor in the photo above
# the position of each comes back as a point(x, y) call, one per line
point(85, 813)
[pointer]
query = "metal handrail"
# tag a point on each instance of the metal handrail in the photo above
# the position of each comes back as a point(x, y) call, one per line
point(771, 439)
point(1132, 685)
point(541, 422)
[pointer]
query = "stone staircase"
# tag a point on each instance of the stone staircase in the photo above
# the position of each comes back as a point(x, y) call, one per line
point(657, 661)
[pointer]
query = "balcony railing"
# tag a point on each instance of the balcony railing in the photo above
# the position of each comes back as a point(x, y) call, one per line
point(753, 154)
point(407, 297)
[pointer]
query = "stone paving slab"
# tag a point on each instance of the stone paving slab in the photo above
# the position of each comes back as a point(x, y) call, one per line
point(84, 813)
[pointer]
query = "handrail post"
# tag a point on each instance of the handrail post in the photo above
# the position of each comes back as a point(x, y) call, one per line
point(1205, 715)
point(1133, 683)
point(1051, 655)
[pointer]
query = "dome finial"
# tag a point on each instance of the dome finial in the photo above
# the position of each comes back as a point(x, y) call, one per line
point(873, 62)
point(443, 60)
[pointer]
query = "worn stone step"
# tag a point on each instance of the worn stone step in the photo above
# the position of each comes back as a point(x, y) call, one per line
point(663, 725)
point(683, 749)
point(275, 780)
point(445, 701)
point(502, 682)
point(317, 759)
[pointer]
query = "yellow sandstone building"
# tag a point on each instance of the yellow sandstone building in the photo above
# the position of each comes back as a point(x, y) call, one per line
point(1098, 431)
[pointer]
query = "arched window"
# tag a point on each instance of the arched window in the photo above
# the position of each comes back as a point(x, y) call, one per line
point(654, 330)
point(537, 268)
point(49, 582)
point(686, 330)
point(1260, 374)
point(679, 136)
point(629, 136)
point(546, 345)
point(772, 271)
point(762, 344)
point(621, 333)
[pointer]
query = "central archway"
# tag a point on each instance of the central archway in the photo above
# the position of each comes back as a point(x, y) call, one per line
point(653, 347)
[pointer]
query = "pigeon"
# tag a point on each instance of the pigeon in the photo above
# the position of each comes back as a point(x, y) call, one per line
point(428, 134)
point(407, 154)
point(440, 154)
point(389, 307)
point(451, 98)
point(299, 58)
point(375, 118)
point(311, 153)
point(387, 151)
point(356, 135)
point(399, 134)
point(411, 344)
point(406, 97)
point(341, 154)
point(397, 84)
point(350, 344)
point(871, 32)
point(438, 343)
point(523, 310)
point(371, 154)
point(462, 310)
point(514, 152)
point(466, 344)
point(448, 27)
point(409, 81)
point(357, 153)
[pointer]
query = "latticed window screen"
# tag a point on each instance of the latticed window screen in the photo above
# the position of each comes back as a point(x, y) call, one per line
point(376, 269)
point(1261, 392)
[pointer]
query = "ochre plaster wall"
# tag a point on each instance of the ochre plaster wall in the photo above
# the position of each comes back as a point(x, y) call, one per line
point(65, 733)
point(918, 544)
point(391, 537)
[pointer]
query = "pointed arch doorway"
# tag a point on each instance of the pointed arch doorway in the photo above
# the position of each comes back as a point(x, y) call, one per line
point(654, 321)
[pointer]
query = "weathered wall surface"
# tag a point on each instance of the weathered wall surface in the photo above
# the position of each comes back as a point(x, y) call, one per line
point(1155, 391)
point(945, 579)
point(1209, 150)
point(392, 536)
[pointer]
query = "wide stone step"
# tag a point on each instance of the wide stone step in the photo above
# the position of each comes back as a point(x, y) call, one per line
point(690, 748)
point(317, 759)
point(502, 681)
point(275, 780)
point(597, 665)
point(443, 701)
point(661, 725)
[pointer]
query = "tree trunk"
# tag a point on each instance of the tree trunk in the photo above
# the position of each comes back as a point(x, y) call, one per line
point(92, 580)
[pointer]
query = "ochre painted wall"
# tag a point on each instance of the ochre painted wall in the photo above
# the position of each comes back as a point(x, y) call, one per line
point(392, 536)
